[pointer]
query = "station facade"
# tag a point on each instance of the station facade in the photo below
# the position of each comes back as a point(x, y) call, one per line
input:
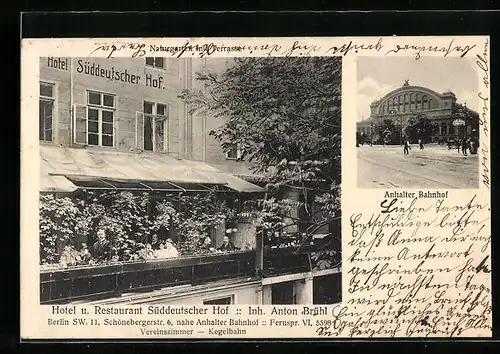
point(411, 101)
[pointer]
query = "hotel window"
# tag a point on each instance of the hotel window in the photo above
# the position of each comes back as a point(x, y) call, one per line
point(156, 62)
point(155, 120)
point(46, 111)
point(228, 300)
point(100, 118)
point(233, 153)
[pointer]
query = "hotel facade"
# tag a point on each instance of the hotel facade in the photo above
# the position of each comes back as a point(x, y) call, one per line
point(118, 124)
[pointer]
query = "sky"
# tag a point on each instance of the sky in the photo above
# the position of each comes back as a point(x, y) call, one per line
point(378, 76)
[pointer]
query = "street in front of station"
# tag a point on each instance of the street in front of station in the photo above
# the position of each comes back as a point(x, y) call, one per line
point(433, 167)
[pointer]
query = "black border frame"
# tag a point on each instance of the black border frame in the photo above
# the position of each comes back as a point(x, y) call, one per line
point(291, 23)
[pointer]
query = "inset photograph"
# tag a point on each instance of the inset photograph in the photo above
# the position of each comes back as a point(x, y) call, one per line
point(417, 123)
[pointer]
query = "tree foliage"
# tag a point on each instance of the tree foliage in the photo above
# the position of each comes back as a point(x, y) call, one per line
point(387, 132)
point(58, 225)
point(128, 221)
point(284, 114)
point(199, 216)
point(362, 138)
point(419, 127)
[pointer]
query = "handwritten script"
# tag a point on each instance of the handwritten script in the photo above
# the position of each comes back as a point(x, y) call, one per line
point(483, 64)
point(418, 50)
point(416, 268)
point(303, 47)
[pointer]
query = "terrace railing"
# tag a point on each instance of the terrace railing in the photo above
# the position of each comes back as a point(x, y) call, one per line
point(290, 260)
point(103, 281)
point(87, 283)
point(280, 261)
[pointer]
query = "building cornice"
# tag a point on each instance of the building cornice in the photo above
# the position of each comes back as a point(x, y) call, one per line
point(409, 88)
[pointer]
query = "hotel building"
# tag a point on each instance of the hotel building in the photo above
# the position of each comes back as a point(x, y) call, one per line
point(118, 124)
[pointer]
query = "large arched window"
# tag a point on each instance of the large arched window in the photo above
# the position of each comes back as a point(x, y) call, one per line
point(424, 102)
point(419, 102)
point(443, 128)
point(412, 101)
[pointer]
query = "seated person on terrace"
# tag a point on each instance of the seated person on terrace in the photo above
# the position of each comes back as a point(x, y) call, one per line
point(227, 245)
point(147, 252)
point(69, 256)
point(206, 245)
point(101, 247)
point(85, 256)
point(167, 250)
point(155, 243)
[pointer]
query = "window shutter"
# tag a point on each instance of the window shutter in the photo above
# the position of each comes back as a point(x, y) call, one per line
point(139, 130)
point(80, 124)
point(159, 134)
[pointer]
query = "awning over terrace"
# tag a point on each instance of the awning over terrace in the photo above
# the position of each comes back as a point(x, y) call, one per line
point(65, 170)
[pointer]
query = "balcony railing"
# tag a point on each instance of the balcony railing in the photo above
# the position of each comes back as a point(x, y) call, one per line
point(290, 260)
point(97, 282)
point(105, 281)
point(280, 261)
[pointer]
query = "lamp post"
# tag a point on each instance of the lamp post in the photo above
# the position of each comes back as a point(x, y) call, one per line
point(466, 116)
point(400, 130)
point(371, 134)
point(460, 120)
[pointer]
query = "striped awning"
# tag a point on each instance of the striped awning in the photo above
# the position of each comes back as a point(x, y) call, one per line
point(64, 169)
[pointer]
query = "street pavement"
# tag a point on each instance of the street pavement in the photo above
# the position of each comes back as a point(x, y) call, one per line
point(433, 167)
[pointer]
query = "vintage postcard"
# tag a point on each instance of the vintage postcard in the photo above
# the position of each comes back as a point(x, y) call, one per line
point(239, 188)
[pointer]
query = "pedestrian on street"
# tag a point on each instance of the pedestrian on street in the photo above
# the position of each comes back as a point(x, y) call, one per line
point(420, 144)
point(406, 147)
point(464, 146)
point(473, 146)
